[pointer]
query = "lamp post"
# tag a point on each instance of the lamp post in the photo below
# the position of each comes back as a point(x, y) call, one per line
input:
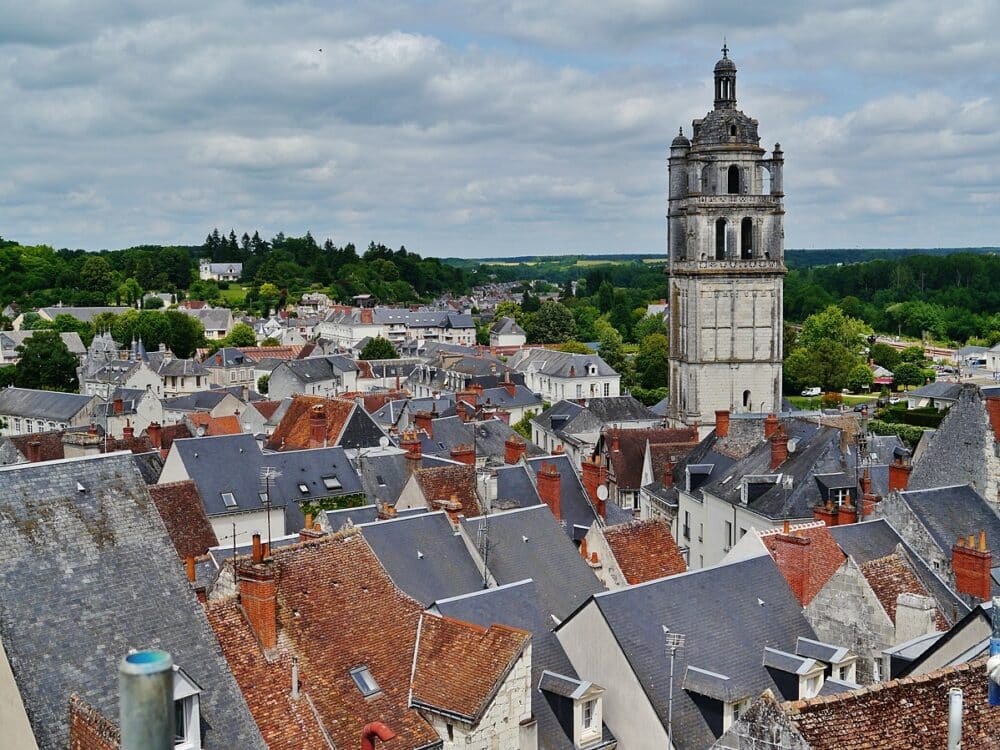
point(673, 641)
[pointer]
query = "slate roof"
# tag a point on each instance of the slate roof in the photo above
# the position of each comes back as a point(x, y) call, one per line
point(645, 550)
point(520, 605)
point(506, 326)
point(85, 314)
point(871, 540)
point(458, 666)
point(899, 714)
point(62, 557)
point(170, 366)
point(212, 318)
point(54, 405)
point(939, 389)
point(198, 401)
point(244, 463)
point(337, 610)
point(489, 438)
point(558, 364)
point(179, 505)
point(726, 633)
point(424, 556)
point(318, 369)
point(229, 356)
point(955, 452)
point(10, 340)
point(562, 578)
point(384, 475)
point(576, 511)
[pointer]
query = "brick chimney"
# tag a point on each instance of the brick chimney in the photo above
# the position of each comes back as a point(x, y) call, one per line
point(509, 384)
point(464, 454)
point(668, 472)
point(971, 566)
point(34, 451)
point(615, 446)
point(259, 596)
point(899, 473)
point(468, 395)
point(411, 444)
point(826, 513)
point(514, 448)
point(595, 474)
point(549, 488)
point(770, 425)
point(317, 426)
point(779, 449)
point(118, 405)
point(128, 431)
point(422, 420)
point(155, 433)
point(218, 359)
point(722, 423)
point(792, 555)
point(366, 317)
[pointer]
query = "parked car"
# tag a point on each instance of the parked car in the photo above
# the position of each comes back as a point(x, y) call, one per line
point(813, 391)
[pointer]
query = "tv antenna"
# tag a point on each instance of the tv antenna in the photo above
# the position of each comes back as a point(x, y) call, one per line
point(268, 476)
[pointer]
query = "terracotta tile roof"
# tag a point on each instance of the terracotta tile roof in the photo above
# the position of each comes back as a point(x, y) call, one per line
point(88, 729)
point(226, 425)
point(645, 550)
point(171, 432)
point(184, 516)
point(819, 560)
point(626, 462)
point(364, 369)
point(459, 666)
point(135, 444)
point(294, 431)
point(904, 714)
point(442, 483)
point(266, 408)
point(337, 610)
point(50, 448)
point(891, 576)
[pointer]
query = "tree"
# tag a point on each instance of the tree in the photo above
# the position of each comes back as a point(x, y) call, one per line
point(648, 325)
point(128, 292)
point(828, 365)
point(186, 333)
point(833, 325)
point(530, 303)
point(241, 335)
point(508, 309)
point(860, 378)
point(612, 352)
point(907, 373)
point(523, 425)
point(651, 363)
point(586, 316)
point(378, 348)
point(96, 276)
point(912, 354)
point(553, 324)
point(47, 363)
point(270, 341)
point(262, 383)
point(884, 356)
point(574, 347)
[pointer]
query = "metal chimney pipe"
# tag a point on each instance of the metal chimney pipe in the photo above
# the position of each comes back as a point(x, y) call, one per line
point(146, 700)
point(955, 719)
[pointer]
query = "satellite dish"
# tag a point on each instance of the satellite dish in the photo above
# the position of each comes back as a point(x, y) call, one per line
point(383, 441)
point(602, 492)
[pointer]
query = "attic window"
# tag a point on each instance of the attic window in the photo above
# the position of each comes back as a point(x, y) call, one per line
point(380, 480)
point(263, 497)
point(441, 446)
point(362, 677)
point(332, 483)
point(229, 499)
point(303, 488)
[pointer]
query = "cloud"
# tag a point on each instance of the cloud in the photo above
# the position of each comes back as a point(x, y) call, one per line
point(484, 128)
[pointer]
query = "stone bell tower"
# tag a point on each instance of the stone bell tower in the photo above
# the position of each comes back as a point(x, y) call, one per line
point(726, 264)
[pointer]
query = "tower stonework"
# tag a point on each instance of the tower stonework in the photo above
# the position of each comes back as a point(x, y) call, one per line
point(726, 264)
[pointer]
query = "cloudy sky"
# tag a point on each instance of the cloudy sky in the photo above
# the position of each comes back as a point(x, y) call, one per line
point(486, 127)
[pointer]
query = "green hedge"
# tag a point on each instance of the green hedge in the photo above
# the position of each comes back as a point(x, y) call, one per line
point(909, 434)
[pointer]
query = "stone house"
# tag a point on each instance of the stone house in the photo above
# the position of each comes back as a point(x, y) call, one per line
point(128, 408)
point(632, 553)
point(230, 367)
point(560, 375)
point(505, 333)
point(313, 376)
point(209, 271)
point(24, 410)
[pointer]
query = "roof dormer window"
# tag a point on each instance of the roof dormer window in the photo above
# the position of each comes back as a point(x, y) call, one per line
point(187, 711)
point(364, 681)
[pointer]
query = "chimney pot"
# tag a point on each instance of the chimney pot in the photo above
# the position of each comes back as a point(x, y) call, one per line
point(971, 567)
point(549, 488)
point(257, 554)
point(770, 425)
point(722, 423)
point(190, 568)
point(119, 406)
point(779, 449)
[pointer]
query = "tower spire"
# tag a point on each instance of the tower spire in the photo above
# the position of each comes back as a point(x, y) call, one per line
point(725, 49)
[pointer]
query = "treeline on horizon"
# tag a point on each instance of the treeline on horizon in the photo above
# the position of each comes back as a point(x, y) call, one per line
point(39, 276)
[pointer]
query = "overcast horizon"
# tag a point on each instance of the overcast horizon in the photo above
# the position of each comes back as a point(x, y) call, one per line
point(487, 129)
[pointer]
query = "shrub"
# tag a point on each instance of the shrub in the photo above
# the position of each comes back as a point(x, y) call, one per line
point(832, 400)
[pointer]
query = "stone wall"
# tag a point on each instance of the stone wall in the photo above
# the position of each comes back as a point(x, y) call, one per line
point(846, 612)
point(898, 513)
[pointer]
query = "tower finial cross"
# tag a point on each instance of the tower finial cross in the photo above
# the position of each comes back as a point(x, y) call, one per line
point(725, 48)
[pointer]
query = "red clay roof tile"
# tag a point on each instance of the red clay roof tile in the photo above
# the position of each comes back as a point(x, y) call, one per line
point(645, 550)
point(184, 516)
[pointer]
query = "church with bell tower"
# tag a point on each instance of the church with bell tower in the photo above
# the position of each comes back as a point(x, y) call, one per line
point(725, 240)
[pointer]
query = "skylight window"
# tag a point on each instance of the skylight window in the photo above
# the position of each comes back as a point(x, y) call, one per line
point(362, 677)
point(229, 499)
point(303, 488)
point(263, 497)
point(332, 483)
point(380, 480)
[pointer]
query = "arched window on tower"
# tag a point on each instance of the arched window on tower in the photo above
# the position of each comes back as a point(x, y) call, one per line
point(746, 399)
point(734, 179)
point(720, 239)
point(746, 238)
